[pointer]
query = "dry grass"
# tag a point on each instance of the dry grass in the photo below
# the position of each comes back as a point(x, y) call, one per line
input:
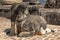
point(5, 24)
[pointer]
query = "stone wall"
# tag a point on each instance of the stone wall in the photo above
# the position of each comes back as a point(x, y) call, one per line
point(11, 1)
point(5, 14)
point(52, 4)
point(30, 0)
point(52, 16)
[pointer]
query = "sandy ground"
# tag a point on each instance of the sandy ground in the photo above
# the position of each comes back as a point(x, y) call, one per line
point(6, 23)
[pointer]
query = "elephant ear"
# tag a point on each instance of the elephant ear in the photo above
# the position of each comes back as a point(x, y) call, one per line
point(20, 7)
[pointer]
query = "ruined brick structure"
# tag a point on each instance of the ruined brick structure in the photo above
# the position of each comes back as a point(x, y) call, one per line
point(52, 4)
point(54, 8)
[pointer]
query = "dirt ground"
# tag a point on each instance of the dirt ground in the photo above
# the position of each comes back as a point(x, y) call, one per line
point(6, 24)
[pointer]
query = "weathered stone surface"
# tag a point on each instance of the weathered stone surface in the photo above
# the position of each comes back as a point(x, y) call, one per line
point(30, 0)
point(34, 10)
point(53, 13)
point(52, 4)
point(11, 1)
point(52, 17)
